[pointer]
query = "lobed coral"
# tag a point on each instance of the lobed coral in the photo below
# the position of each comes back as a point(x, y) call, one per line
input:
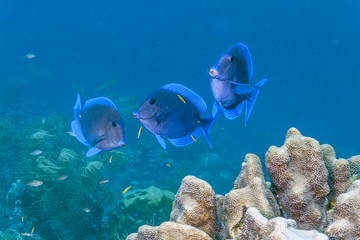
point(194, 205)
point(250, 190)
point(299, 176)
point(343, 220)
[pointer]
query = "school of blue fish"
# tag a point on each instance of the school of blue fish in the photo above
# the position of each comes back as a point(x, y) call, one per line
point(173, 112)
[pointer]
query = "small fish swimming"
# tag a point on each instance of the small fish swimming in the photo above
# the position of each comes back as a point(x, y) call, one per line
point(36, 152)
point(174, 112)
point(62, 178)
point(35, 183)
point(126, 189)
point(71, 133)
point(105, 85)
point(98, 124)
point(230, 83)
point(29, 234)
point(110, 159)
point(104, 181)
point(87, 210)
point(168, 165)
point(29, 56)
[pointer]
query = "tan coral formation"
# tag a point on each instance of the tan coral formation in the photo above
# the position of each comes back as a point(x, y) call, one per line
point(339, 177)
point(256, 226)
point(195, 205)
point(344, 219)
point(299, 175)
point(169, 231)
point(250, 191)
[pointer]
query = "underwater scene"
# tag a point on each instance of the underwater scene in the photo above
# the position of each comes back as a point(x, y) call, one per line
point(184, 120)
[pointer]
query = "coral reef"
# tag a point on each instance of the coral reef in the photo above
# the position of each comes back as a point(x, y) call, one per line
point(138, 207)
point(339, 177)
point(194, 205)
point(169, 230)
point(343, 220)
point(255, 226)
point(250, 190)
point(299, 176)
point(304, 175)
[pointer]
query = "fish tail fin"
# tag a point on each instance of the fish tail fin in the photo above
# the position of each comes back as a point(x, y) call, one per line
point(250, 101)
point(205, 125)
point(77, 107)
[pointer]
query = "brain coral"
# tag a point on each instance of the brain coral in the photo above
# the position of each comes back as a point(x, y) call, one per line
point(299, 175)
point(195, 205)
point(250, 191)
point(344, 219)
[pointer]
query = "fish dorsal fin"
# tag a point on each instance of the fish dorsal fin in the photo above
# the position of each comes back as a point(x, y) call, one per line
point(186, 140)
point(77, 107)
point(101, 101)
point(76, 129)
point(191, 96)
point(246, 52)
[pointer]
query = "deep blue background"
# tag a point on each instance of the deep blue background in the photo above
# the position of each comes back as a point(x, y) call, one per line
point(308, 50)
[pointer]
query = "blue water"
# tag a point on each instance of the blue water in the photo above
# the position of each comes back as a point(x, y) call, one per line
point(309, 51)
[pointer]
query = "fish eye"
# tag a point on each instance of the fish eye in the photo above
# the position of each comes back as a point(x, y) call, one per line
point(152, 101)
point(114, 124)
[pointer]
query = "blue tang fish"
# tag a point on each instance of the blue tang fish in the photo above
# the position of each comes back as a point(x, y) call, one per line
point(174, 112)
point(230, 83)
point(98, 124)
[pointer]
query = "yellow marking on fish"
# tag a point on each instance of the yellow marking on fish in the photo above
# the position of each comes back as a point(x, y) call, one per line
point(22, 218)
point(181, 99)
point(104, 181)
point(198, 121)
point(32, 230)
point(139, 132)
point(168, 165)
point(110, 159)
point(126, 189)
point(193, 138)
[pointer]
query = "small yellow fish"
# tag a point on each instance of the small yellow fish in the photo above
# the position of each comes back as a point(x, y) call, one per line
point(29, 234)
point(71, 133)
point(198, 121)
point(168, 165)
point(36, 152)
point(181, 99)
point(35, 183)
point(110, 160)
point(126, 189)
point(62, 178)
point(22, 218)
point(104, 181)
point(29, 56)
point(139, 132)
point(193, 138)
point(87, 210)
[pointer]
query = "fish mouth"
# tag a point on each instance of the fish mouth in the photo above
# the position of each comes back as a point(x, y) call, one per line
point(137, 115)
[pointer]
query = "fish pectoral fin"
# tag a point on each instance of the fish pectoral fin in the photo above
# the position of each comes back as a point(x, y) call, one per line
point(161, 141)
point(76, 129)
point(93, 151)
point(187, 139)
point(243, 89)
